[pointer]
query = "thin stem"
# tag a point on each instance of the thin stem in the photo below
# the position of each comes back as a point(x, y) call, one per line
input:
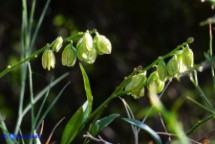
point(199, 123)
point(51, 105)
point(23, 55)
point(165, 128)
point(173, 135)
point(31, 92)
point(4, 129)
point(39, 23)
point(211, 54)
point(200, 105)
point(24, 28)
point(31, 19)
point(32, 56)
point(31, 99)
point(36, 99)
point(131, 116)
point(202, 94)
point(41, 107)
point(22, 93)
point(169, 54)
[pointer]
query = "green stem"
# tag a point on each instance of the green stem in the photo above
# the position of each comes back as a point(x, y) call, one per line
point(32, 56)
point(211, 54)
point(4, 129)
point(189, 40)
point(203, 95)
point(200, 105)
point(31, 19)
point(24, 28)
point(20, 112)
point(118, 92)
point(36, 99)
point(24, 46)
point(199, 123)
point(39, 23)
point(31, 97)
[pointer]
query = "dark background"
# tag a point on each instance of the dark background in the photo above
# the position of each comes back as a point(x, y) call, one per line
point(140, 31)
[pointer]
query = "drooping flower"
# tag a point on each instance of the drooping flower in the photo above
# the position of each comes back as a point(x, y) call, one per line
point(68, 57)
point(85, 50)
point(102, 44)
point(57, 44)
point(173, 66)
point(185, 59)
point(162, 70)
point(48, 59)
point(136, 85)
point(156, 82)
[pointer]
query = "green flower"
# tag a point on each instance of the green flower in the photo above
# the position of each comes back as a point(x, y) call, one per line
point(188, 58)
point(68, 56)
point(57, 44)
point(102, 44)
point(86, 42)
point(180, 57)
point(185, 59)
point(162, 70)
point(154, 80)
point(85, 50)
point(136, 85)
point(48, 59)
point(173, 66)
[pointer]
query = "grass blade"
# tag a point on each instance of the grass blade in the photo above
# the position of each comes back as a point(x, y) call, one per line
point(144, 127)
point(51, 106)
point(102, 123)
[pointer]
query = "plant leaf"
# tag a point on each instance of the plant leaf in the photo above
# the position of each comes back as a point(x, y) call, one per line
point(144, 127)
point(75, 123)
point(87, 88)
point(102, 123)
point(78, 120)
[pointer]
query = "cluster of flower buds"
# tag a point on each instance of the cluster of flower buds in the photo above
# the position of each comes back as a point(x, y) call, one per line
point(86, 50)
point(182, 61)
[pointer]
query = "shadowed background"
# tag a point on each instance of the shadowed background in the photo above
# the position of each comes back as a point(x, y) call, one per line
point(140, 31)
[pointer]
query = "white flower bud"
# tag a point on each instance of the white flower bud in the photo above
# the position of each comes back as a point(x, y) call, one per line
point(188, 57)
point(86, 42)
point(48, 59)
point(68, 56)
point(102, 44)
point(57, 44)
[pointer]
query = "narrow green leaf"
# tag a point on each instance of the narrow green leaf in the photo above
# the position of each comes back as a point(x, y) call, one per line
point(51, 105)
point(145, 128)
point(75, 123)
point(78, 120)
point(42, 92)
point(102, 123)
point(87, 88)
